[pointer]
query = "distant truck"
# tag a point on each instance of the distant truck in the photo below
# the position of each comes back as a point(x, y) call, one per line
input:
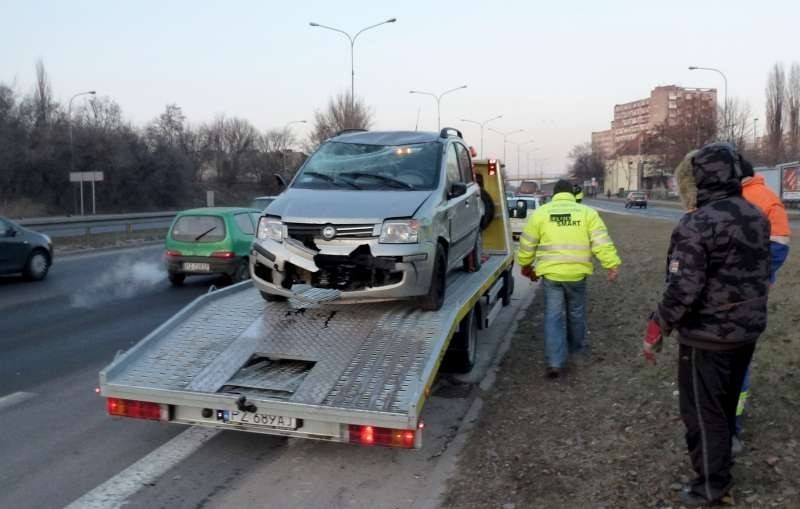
point(784, 180)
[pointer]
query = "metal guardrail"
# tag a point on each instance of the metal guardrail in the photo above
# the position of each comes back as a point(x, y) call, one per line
point(75, 226)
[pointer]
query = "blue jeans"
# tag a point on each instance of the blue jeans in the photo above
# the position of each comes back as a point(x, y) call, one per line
point(558, 338)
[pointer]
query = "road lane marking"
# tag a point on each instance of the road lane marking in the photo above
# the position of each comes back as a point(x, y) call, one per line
point(14, 399)
point(147, 470)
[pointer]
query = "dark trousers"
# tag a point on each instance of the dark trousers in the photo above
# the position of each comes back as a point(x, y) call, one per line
point(709, 383)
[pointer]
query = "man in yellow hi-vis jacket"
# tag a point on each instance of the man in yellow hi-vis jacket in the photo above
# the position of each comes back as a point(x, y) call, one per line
point(561, 237)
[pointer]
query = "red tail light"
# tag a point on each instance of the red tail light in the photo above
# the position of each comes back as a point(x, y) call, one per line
point(492, 167)
point(172, 252)
point(223, 254)
point(136, 409)
point(373, 435)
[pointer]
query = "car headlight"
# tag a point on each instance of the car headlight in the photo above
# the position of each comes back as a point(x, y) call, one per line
point(270, 228)
point(400, 232)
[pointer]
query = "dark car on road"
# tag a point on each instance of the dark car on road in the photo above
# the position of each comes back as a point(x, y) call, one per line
point(636, 199)
point(24, 251)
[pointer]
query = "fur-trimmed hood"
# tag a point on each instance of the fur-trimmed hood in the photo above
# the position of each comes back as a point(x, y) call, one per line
point(711, 173)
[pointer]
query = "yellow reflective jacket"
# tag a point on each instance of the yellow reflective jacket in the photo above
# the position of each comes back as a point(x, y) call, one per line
point(561, 237)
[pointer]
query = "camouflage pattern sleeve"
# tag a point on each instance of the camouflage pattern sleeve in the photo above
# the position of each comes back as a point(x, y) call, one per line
point(687, 261)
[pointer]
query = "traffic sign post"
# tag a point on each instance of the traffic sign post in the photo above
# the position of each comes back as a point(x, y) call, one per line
point(86, 176)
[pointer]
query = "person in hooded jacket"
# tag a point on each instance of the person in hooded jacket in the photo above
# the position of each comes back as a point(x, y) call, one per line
point(717, 279)
point(756, 192)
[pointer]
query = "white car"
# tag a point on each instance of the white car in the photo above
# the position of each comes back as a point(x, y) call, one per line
point(519, 210)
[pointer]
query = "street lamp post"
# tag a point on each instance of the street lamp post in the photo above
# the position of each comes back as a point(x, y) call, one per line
point(519, 147)
point(505, 139)
point(286, 133)
point(725, 79)
point(438, 99)
point(482, 124)
point(352, 39)
point(72, 147)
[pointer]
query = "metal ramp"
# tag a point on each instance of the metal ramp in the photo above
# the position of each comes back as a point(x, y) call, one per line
point(368, 357)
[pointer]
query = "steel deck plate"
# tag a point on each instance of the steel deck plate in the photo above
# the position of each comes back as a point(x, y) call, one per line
point(373, 357)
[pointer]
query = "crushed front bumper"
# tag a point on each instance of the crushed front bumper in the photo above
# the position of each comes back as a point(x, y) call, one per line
point(276, 266)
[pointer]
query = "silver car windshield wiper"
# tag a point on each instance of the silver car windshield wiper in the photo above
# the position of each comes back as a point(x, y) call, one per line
point(205, 233)
point(384, 178)
point(330, 179)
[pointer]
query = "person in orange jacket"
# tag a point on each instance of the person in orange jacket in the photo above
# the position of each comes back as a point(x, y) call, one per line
point(756, 192)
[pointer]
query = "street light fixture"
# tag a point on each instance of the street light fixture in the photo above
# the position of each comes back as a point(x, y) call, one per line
point(482, 124)
point(71, 145)
point(505, 139)
point(352, 39)
point(438, 102)
point(286, 133)
point(725, 79)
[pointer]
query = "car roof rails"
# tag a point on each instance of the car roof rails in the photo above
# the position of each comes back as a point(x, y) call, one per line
point(445, 132)
point(355, 130)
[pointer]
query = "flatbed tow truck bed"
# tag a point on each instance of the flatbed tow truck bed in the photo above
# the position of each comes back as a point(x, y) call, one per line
point(314, 371)
point(356, 373)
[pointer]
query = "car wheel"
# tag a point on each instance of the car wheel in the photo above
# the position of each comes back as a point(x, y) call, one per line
point(472, 262)
point(37, 265)
point(434, 299)
point(508, 287)
point(242, 272)
point(460, 357)
point(176, 279)
point(271, 297)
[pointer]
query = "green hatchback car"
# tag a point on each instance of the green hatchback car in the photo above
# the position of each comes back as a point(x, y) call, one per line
point(213, 240)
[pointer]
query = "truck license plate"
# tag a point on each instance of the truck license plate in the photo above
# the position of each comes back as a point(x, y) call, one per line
point(196, 267)
point(260, 419)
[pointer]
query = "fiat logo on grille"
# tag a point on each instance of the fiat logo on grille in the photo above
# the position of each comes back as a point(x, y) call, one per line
point(328, 232)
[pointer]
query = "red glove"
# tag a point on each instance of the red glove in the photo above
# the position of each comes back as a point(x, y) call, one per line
point(653, 338)
point(528, 272)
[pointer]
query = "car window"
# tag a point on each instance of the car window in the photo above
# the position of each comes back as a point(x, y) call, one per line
point(453, 172)
point(356, 166)
point(245, 223)
point(465, 163)
point(256, 217)
point(199, 229)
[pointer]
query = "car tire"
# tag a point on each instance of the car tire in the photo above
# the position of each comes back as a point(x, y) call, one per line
point(271, 297)
point(434, 299)
point(37, 265)
point(176, 279)
point(242, 272)
point(508, 287)
point(460, 357)
point(472, 262)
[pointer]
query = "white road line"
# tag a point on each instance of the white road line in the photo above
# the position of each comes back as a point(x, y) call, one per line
point(14, 399)
point(114, 491)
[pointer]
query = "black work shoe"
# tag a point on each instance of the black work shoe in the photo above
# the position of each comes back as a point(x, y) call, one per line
point(690, 499)
point(553, 372)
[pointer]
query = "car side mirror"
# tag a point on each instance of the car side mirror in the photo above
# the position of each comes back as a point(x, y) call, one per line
point(457, 189)
point(10, 232)
point(521, 210)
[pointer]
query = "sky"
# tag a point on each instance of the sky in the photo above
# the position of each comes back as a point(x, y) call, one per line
point(554, 69)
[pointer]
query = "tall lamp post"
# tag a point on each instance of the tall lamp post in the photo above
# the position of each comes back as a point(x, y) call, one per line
point(505, 139)
point(725, 107)
point(519, 149)
point(482, 124)
point(438, 99)
point(71, 145)
point(352, 39)
point(286, 133)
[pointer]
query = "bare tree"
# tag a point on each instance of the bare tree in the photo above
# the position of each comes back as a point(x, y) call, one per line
point(341, 113)
point(776, 104)
point(585, 164)
point(793, 111)
point(740, 127)
point(168, 128)
point(42, 96)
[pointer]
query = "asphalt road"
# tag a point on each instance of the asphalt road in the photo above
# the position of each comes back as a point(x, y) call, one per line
point(55, 336)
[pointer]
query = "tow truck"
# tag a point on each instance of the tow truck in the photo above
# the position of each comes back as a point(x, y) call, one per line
point(358, 373)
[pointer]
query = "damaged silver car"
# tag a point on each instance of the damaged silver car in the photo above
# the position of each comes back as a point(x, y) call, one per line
point(373, 216)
